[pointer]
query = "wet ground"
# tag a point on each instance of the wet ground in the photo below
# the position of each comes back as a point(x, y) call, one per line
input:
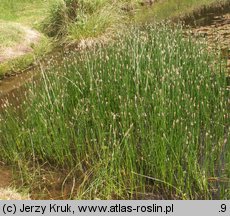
point(6, 176)
point(217, 34)
point(12, 89)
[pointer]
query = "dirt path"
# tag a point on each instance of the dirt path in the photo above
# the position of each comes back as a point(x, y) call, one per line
point(31, 37)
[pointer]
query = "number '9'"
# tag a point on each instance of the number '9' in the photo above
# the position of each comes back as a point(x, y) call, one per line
point(223, 208)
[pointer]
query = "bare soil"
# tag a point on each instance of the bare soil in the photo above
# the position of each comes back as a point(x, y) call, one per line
point(5, 177)
point(31, 38)
point(6, 191)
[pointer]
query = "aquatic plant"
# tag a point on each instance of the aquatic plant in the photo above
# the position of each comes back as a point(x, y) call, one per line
point(147, 113)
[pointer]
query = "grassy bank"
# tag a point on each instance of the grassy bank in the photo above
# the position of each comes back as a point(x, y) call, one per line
point(145, 114)
point(72, 20)
point(75, 20)
point(27, 12)
point(14, 17)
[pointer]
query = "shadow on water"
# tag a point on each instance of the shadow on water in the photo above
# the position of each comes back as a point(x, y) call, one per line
point(13, 89)
point(213, 24)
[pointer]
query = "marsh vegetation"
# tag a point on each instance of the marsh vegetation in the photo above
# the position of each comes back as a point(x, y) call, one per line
point(147, 113)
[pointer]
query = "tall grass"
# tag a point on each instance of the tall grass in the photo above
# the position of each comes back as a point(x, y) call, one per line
point(80, 19)
point(145, 114)
point(77, 19)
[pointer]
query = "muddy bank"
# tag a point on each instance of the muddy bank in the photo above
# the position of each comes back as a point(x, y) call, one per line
point(217, 35)
point(212, 23)
point(6, 176)
point(6, 187)
point(205, 14)
point(49, 184)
